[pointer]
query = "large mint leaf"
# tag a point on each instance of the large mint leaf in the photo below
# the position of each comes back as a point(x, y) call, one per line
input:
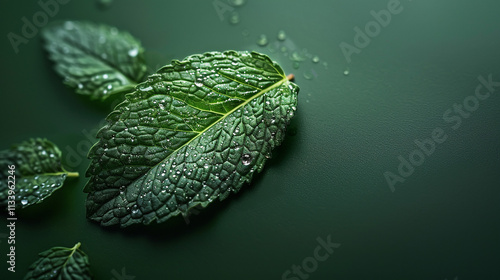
point(95, 60)
point(195, 131)
point(62, 264)
point(31, 171)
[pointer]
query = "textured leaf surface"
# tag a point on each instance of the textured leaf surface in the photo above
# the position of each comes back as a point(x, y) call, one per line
point(195, 131)
point(38, 172)
point(61, 263)
point(95, 60)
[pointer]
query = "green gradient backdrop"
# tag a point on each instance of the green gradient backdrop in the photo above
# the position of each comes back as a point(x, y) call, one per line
point(327, 177)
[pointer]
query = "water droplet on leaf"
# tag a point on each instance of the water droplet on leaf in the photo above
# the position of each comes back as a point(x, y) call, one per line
point(246, 159)
point(133, 52)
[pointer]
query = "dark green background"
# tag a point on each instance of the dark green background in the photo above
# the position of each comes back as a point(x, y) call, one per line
point(327, 177)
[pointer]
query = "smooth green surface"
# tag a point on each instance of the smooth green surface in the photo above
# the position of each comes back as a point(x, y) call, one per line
point(327, 177)
point(194, 132)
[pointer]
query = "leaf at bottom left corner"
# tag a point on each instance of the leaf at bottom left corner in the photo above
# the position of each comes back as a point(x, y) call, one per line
point(34, 173)
point(61, 263)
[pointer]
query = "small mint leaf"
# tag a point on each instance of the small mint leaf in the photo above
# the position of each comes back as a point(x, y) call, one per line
point(37, 172)
point(95, 60)
point(61, 263)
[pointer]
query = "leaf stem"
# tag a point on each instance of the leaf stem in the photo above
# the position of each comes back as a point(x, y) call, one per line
point(77, 245)
point(72, 174)
point(290, 77)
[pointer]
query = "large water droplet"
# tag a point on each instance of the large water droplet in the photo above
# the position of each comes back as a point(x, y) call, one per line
point(346, 72)
point(246, 159)
point(262, 41)
point(315, 59)
point(133, 52)
point(234, 18)
point(135, 211)
point(281, 35)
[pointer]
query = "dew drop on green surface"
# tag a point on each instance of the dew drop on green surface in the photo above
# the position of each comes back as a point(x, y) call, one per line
point(24, 202)
point(237, 3)
point(296, 65)
point(105, 3)
point(308, 76)
point(346, 72)
point(133, 52)
point(234, 18)
point(272, 48)
point(135, 213)
point(262, 41)
point(281, 35)
point(315, 59)
point(296, 56)
point(246, 159)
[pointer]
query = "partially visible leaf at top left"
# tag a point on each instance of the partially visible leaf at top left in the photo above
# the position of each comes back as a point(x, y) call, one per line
point(31, 171)
point(95, 59)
